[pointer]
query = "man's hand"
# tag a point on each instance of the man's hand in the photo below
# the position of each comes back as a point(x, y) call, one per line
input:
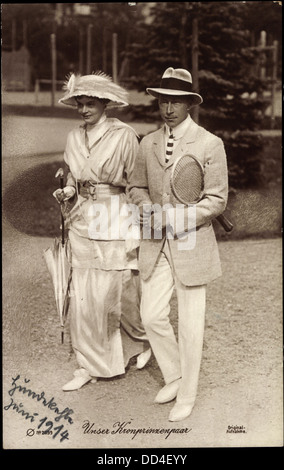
point(158, 220)
point(153, 217)
point(145, 214)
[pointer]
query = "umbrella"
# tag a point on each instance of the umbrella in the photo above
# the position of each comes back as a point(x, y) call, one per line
point(57, 258)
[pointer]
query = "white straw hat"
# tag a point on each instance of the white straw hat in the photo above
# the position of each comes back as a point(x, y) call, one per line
point(97, 85)
point(176, 82)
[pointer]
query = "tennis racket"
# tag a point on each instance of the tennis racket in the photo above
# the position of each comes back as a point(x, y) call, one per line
point(187, 183)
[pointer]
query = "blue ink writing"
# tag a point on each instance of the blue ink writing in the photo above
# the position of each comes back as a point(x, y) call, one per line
point(18, 409)
point(40, 397)
point(49, 427)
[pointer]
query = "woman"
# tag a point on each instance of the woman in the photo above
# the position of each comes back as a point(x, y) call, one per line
point(104, 321)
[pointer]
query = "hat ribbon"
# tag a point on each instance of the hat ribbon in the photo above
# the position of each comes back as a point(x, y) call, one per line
point(176, 84)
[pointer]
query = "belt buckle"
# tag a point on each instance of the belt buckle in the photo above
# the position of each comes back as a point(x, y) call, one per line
point(92, 190)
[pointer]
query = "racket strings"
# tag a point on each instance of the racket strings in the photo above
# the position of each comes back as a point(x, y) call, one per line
point(187, 180)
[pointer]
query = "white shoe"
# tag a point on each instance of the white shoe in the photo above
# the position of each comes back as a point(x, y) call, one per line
point(180, 412)
point(143, 358)
point(168, 392)
point(81, 377)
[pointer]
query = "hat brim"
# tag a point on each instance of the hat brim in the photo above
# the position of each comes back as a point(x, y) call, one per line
point(70, 99)
point(157, 92)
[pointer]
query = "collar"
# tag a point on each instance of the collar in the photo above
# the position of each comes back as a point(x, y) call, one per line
point(93, 135)
point(95, 126)
point(179, 130)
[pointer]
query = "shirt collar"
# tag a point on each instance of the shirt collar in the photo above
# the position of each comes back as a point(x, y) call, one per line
point(179, 130)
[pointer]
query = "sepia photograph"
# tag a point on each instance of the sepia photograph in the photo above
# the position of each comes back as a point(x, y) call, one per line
point(142, 228)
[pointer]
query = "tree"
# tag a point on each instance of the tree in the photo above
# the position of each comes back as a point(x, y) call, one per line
point(38, 19)
point(156, 45)
point(224, 58)
point(233, 96)
point(42, 19)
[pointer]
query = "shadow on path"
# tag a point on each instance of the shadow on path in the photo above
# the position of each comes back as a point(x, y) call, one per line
point(28, 204)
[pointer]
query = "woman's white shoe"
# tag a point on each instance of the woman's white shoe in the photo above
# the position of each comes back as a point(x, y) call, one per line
point(81, 377)
point(143, 358)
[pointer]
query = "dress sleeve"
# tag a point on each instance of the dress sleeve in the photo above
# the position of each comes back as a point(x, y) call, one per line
point(130, 150)
point(131, 146)
point(70, 181)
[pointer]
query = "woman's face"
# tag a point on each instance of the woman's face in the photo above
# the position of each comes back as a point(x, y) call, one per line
point(91, 109)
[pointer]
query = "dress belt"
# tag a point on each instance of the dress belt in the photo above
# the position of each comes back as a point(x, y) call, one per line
point(93, 189)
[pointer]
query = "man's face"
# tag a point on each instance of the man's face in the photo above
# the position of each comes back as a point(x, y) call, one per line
point(173, 109)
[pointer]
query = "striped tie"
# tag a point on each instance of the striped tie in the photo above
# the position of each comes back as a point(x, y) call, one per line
point(170, 145)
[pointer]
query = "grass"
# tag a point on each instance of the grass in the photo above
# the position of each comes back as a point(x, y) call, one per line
point(33, 210)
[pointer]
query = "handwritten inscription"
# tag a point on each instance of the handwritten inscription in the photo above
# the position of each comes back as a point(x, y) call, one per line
point(44, 425)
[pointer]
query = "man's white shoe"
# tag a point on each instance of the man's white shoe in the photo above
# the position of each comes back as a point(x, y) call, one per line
point(81, 377)
point(168, 392)
point(143, 358)
point(180, 412)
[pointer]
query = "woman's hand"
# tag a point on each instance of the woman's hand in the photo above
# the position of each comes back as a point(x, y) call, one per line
point(62, 195)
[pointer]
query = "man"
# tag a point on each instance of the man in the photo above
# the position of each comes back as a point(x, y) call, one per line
point(163, 265)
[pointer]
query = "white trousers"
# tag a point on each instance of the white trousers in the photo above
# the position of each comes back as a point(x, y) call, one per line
point(182, 358)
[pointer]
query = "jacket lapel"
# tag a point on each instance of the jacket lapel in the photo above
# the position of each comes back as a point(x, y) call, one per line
point(159, 146)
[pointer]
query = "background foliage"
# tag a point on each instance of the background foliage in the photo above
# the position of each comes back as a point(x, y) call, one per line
point(229, 78)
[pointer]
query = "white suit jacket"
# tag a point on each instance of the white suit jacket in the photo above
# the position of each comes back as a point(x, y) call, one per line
point(150, 184)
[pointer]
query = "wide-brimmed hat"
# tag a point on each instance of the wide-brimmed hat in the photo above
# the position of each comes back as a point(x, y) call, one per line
point(176, 82)
point(97, 85)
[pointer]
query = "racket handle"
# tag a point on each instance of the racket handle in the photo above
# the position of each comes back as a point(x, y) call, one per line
point(226, 224)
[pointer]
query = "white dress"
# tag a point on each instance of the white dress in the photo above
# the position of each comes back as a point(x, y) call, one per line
point(105, 323)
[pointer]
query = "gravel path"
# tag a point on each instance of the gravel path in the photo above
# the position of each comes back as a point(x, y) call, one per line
point(239, 401)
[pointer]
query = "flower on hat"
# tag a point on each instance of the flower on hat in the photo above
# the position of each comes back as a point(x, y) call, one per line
point(97, 85)
point(69, 84)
